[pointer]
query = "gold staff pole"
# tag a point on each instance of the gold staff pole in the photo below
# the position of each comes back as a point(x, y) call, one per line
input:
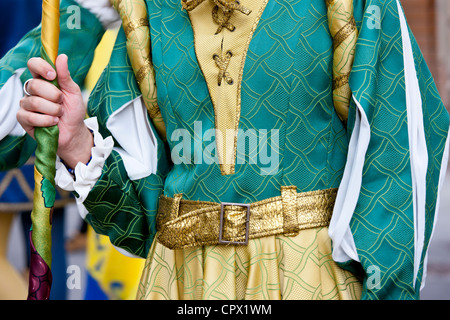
point(40, 280)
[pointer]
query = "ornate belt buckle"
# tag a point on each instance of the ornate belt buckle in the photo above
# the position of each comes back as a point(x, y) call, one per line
point(222, 205)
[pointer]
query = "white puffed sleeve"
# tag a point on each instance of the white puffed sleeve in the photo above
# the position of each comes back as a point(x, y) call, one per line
point(103, 10)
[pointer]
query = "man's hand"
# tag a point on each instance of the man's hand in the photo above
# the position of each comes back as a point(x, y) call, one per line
point(48, 106)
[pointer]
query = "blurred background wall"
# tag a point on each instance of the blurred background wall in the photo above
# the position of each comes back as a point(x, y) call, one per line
point(430, 22)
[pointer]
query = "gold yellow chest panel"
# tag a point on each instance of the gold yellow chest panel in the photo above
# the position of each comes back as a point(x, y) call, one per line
point(222, 34)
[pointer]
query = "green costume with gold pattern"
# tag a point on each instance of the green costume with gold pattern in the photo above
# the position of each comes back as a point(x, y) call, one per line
point(277, 89)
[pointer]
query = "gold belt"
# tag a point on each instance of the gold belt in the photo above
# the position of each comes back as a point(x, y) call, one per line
point(187, 223)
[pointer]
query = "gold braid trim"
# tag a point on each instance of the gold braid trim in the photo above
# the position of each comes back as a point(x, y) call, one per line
point(341, 81)
point(136, 27)
point(189, 5)
point(345, 34)
point(133, 25)
point(143, 71)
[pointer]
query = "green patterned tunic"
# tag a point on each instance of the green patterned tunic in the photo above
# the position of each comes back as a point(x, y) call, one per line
point(286, 93)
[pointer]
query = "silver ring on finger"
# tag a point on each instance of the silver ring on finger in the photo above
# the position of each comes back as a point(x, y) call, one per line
point(25, 87)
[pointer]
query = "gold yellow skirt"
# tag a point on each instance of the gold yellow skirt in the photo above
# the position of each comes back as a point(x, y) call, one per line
point(270, 268)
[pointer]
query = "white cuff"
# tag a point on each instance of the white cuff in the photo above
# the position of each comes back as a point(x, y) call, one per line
point(103, 10)
point(126, 253)
point(344, 248)
point(86, 175)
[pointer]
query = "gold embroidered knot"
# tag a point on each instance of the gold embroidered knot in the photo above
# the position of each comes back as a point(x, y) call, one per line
point(227, 8)
point(222, 62)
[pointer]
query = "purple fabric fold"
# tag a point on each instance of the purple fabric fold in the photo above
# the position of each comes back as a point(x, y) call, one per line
point(40, 280)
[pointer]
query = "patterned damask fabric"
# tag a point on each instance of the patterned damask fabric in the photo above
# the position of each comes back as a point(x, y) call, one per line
point(287, 86)
point(124, 201)
point(383, 223)
point(270, 268)
point(286, 89)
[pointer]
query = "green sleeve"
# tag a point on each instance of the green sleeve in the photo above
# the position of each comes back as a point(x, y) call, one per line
point(383, 223)
point(121, 208)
